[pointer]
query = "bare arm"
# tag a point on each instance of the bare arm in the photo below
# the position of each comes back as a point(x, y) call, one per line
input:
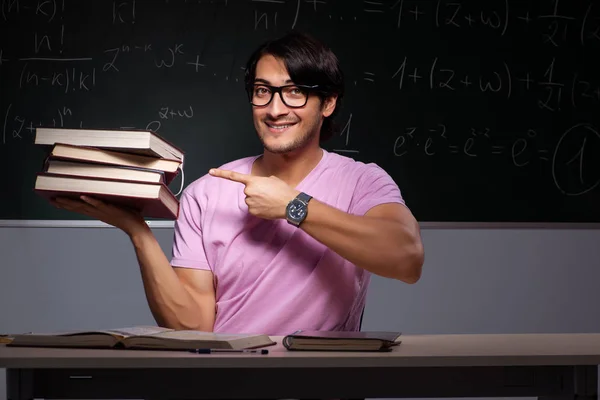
point(385, 241)
point(178, 298)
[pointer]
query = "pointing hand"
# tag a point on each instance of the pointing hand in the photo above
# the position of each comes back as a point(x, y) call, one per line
point(266, 197)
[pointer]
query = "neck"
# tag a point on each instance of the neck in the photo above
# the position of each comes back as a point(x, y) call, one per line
point(290, 167)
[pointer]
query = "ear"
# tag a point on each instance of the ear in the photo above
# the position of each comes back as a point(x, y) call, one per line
point(329, 105)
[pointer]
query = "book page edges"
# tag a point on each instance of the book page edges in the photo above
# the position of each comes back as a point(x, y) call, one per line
point(160, 203)
point(139, 141)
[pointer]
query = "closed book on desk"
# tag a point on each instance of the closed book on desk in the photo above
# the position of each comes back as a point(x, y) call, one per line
point(141, 337)
point(134, 141)
point(341, 341)
point(153, 200)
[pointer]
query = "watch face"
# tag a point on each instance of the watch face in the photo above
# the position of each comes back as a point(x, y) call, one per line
point(297, 210)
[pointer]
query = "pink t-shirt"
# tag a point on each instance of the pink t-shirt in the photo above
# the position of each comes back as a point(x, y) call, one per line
point(271, 277)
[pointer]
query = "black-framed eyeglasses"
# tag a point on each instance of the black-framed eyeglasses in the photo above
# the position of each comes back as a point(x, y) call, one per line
point(293, 96)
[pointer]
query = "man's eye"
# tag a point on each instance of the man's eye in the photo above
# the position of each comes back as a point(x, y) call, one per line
point(295, 92)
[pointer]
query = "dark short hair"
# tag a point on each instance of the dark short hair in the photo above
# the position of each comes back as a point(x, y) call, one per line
point(308, 62)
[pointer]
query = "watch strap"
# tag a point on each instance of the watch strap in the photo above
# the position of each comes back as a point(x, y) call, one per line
point(303, 197)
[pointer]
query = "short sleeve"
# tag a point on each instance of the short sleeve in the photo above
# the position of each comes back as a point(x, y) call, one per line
point(374, 187)
point(188, 247)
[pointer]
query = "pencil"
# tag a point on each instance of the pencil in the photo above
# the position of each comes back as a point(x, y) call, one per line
point(210, 351)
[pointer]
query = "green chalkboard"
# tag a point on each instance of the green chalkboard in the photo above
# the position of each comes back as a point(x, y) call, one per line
point(480, 111)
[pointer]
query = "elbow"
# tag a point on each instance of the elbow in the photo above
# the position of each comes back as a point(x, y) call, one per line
point(181, 325)
point(196, 322)
point(197, 327)
point(177, 321)
point(409, 264)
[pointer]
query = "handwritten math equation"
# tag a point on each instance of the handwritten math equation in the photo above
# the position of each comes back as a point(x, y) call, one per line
point(544, 90)
point(437, 75)
point(19, 125)
point(552, 25)
point(554, 20)
point(438, 139)
point(572, 152)
point(554, 81)
point(547, 91)
point(575, 151)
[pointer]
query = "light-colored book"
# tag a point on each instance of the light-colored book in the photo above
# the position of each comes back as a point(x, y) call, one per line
point(88, 170)
point(141, 337)
point(101, 156)
point(135, 141)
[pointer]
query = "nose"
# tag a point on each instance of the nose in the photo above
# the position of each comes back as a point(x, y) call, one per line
point(277, 108)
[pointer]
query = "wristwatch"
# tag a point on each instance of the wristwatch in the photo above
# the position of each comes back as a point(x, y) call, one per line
point(297, 209)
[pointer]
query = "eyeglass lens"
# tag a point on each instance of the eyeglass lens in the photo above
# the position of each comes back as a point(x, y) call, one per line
point(292, 96)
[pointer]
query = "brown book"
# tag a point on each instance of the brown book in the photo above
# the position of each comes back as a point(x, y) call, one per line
point(153, 200)
point(59, 167)
point(140, 337)
point(133, 141)
point(341, 340)
point(92, 155)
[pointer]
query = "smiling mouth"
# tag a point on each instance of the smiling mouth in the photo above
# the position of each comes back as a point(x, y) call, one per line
point(279, 127)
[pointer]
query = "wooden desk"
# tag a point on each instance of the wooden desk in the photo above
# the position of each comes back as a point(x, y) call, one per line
point(518, 365)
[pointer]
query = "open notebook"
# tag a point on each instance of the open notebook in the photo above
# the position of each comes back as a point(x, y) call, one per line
point(140, 337)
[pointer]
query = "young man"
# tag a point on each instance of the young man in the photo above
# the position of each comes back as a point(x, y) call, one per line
point(285, 240)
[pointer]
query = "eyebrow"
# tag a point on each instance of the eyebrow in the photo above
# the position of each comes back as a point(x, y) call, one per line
point(260, 80)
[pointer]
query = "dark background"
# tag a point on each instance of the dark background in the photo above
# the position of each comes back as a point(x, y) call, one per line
point(480, 111)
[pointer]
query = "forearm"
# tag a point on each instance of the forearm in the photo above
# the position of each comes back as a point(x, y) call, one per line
point(384, 247)
point(170, 303)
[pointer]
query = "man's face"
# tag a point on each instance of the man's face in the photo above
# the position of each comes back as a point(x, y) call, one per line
point(281, 128)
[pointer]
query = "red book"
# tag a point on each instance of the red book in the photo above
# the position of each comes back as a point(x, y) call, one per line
point(153, 200)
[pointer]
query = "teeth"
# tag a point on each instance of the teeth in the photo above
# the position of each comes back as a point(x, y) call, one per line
point(279, 127)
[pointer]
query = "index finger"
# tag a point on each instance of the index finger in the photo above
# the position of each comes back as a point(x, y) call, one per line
point(231, 175)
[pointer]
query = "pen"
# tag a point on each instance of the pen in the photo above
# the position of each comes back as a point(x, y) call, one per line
point(209, 351)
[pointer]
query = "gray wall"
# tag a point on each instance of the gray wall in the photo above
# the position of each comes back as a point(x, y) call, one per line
point(474, 281)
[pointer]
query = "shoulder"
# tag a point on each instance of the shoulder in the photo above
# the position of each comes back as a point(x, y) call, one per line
point(363, 180)
point(353, 169)
point(362, 185)
point(197, 188)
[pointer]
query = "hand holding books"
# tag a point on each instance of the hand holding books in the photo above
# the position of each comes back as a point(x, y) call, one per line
point(129, 221)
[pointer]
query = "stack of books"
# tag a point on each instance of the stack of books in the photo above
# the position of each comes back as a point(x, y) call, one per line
point(128, 168)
